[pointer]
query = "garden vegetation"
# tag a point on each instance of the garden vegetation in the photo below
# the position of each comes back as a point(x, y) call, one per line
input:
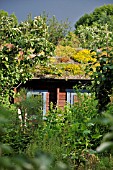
point(72, 138)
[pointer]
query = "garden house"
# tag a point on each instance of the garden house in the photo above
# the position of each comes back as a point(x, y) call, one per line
point(55, 82)
point(58, 91)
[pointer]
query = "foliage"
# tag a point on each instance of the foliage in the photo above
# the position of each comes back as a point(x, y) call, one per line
point(105, 163)
point(79, 55)
point(99, 39)
point(102, 15)
point(96, 34)
point(5, 14)
point(93, 37)
point(102, 74)
point(70, 134)
point(74, 69)
point(67, 135)
point(25, 122)
point(106, 144)
point(47, 70)
point(9, 160)
point(13, 135)
point(61, 70)
point(93, 29)
point(70, 40)
point(56, 29)
point(65, 51)
point(22, 46)
point(107, 141)
point(31, 109)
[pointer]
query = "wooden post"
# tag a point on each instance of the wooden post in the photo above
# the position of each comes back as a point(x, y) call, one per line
point(58, 90)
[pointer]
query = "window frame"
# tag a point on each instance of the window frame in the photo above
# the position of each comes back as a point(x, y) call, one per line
point(71, 93)
point(43, 93)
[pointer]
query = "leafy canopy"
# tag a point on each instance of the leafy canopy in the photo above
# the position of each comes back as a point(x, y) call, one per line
point(22, 47)
point(95, 32)
point(102, 15)
point(57, 29)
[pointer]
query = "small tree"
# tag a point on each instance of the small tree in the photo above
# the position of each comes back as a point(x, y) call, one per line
point(101, 16)
point(22, 47)
point(57, 29)
point(102, 73)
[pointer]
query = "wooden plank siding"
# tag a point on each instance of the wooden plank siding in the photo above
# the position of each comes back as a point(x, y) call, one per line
point(75, 98)
point(56, 89)
point(62, 99)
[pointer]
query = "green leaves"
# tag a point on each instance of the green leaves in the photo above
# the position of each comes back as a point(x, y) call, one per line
point(107, 141)
point(101, 71)
point(74, 128)
point(23, 46)
point(99, 37)
point(100, 16)
point(57, 30)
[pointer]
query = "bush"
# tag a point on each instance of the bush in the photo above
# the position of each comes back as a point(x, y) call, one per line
point(14, 161)
point(19, 133)
point(70, 134)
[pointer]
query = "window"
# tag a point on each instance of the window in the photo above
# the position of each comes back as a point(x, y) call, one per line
point(43, 94)
point(72, 95)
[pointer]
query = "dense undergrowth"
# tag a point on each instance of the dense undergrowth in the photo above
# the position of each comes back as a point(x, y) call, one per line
point(66, 138)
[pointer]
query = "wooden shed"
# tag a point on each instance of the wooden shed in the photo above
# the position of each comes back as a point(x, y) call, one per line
point(58, 91)
point(55, 82)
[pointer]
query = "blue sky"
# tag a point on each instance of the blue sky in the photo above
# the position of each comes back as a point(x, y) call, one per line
point(62, 9)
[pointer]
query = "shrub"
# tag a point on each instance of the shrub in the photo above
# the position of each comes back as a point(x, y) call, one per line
point(20, 130)
point(70, 134)
point(15, 161)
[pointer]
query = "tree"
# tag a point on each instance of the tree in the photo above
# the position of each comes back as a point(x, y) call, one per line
point(3, 13)
point(93, 37)
point(10, 160)
point(57, 30)
point(101, 15)
point(89, 27)
point(102, 69)
point(95, 32)
point(22, 46)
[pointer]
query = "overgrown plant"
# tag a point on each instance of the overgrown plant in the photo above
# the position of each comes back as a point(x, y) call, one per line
point(9, 160)
point(22, 47)
point(74, 134)
point(101, 71)
point(26, 118)
point(31, 113)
